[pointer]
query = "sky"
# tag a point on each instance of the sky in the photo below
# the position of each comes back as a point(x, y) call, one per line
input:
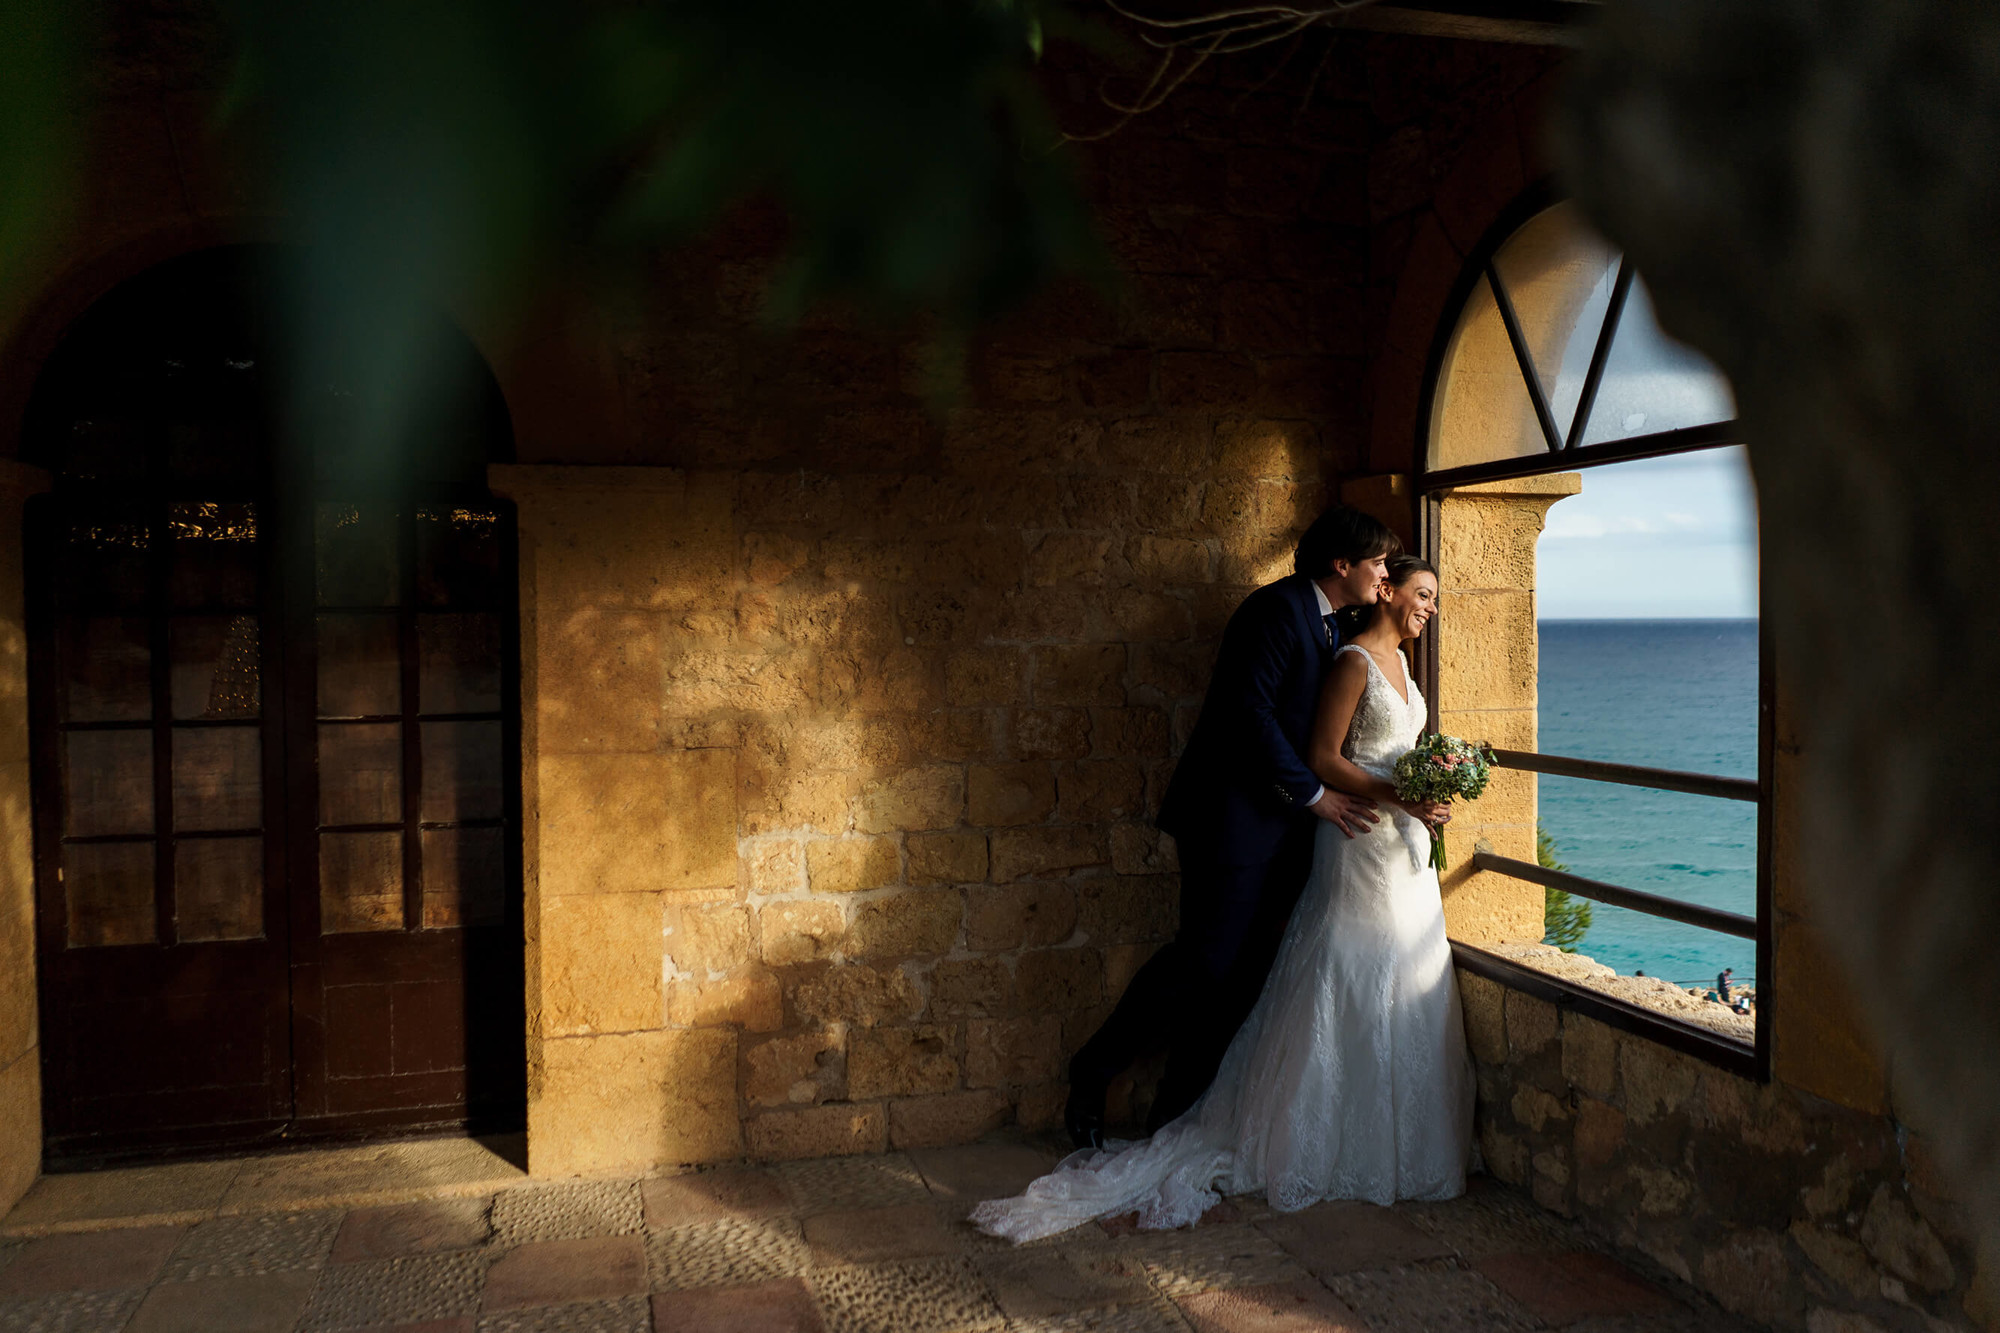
point(1658, 539)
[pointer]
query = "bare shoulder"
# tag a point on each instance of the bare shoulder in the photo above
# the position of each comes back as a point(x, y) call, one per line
point(1348, 670)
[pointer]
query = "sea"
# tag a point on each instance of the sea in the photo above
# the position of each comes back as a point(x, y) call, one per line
point(1678, 694)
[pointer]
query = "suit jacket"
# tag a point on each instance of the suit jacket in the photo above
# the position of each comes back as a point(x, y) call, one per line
point(1242, 783)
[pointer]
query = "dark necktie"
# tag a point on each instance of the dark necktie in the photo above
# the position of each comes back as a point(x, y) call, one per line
point(1328, 618)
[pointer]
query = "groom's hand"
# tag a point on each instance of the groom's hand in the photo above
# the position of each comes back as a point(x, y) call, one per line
point(1349, 814)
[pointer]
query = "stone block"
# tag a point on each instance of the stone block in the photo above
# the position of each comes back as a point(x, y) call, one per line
point(839, 1129)
point(563, 1272)
point(1489, 543)
point(1750, 1273)
point(646, 537)
point(914, 921)
point(631, 1103)
point(795, 1069)
point(1486, 650)
point(1904, 1243)
point(971, 988)
point(1531, 1024)
point(793, 931)
point(931, 796)
point(432, 1226)
point(1169, 561)
point(709, 937)
point(1141, 849)
point(1050, 733)
point(1600, 1133)
point(946, 858)
point(901, 1231)
point(1021, 852)
point(775, 865)
point(947, 1119)
point(850, 865)
point(1299, 1306)
point(1483, 1002)
point(1098, 791)
point(20, 1126)
point(854, 993)
point(635, 823)
point(1139, 732)
point(598, 679)
point(1589, 1055)
point(223, 1304)
point(1007, 916)
point(1127, 909)
point(1065, 558)
point(89, 1261)
point(1658, 1081)
point(999, 795)
point(1013, 1051)
point(1565, 1287)
point(779, 1305)
point(1839, 1257)
point(719, 1195)
point(1059, 980)
point(1122, 962)
point(601, 962)
point(1534, 1109)
point(975, 677)
point(1337, 1238)
point(1276, 449)
point(901, 1062)
point(1080, 674)
point(750, 999)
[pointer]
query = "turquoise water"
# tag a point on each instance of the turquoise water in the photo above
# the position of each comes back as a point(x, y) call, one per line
point(1669, 694)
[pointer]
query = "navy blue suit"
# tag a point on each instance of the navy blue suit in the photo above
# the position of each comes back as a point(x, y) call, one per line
point(1237, 808)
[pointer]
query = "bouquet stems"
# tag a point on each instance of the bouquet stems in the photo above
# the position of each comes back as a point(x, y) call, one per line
point(1437, 850)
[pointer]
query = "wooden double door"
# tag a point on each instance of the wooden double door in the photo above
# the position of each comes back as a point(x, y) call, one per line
point(273, 743)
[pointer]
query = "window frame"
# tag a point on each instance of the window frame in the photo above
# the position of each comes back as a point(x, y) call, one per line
point(1427, 491)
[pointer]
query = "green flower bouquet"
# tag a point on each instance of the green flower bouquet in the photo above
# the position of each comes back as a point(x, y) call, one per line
point(1442, 768)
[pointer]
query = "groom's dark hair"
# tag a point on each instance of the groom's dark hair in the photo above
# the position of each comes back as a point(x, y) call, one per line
point(1341, 533)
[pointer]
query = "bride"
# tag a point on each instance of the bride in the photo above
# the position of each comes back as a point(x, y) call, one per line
point(1349, 1080)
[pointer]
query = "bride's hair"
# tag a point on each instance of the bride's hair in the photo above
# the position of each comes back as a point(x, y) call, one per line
point(1401, 569)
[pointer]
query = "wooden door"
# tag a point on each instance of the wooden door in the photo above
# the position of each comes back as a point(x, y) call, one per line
point(274, 750)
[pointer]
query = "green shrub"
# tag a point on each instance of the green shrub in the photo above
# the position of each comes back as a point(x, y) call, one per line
point(1565, 919)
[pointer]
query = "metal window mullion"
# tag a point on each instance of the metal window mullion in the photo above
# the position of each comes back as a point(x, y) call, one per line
point(1524, 358)
point(413, 751)
point(1621, 287)
point(159, 644)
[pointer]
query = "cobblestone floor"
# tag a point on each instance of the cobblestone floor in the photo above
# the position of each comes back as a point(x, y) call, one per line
point(449, 1238)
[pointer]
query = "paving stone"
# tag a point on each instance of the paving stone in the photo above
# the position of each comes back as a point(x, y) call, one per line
point(1156, 1314)
point(1569, 1285)
point(557, 1272)
point(876, 1235)
point(176, 1192)
point(1203, 1258)
point(430, 1227)
point(1491, 1219)
point(712, 1196)
point(458, 1324)
point(980, 1170)
point(627, 1314)
point(937, 1296)
point(265, 1303)
point(1347, 1237)
point(1290, 1307)
point(1433, 1297)
point(1045, 1283)
point(827, 1184)
point(567, 1212)
point(89, 1261)
point(782, 1305)
point(247, 1246)
point(371, 1175)
point(68, 1312)
point(398, 1291)
point(741, 1250)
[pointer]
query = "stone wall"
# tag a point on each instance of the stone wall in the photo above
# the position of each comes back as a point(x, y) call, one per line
point(20, 1033)
point(1787, 1207)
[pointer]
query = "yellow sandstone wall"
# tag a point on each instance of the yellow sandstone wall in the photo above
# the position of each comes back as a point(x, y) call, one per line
point(1487, 663)
point(20, 1050)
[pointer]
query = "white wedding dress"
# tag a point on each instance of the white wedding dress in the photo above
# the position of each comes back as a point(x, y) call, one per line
point(1349, 1080)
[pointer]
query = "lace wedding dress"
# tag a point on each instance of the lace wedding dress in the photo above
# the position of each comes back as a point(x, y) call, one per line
point(1349, 1080)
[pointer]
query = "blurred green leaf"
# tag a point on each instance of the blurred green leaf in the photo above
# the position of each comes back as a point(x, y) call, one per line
point(38, 45)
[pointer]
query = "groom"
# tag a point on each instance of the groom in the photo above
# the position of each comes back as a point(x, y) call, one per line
point(1242, 809)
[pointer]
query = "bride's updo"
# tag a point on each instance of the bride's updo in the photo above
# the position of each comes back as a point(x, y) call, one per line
point(1351, 620)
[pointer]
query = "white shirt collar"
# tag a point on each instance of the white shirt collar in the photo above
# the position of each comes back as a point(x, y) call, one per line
point(1325, 603)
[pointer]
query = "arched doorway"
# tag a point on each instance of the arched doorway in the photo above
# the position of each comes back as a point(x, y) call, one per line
point(273, 711)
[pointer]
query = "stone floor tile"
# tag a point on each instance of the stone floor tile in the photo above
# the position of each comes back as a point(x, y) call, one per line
point(826, 1184)
point(247, 1246)
point(1569, 1285)
point(782, 1305)
point(740, 1250)
point(372, 1174)
point(1331, 1238)
point(430, 1227)
point(1434, 1297)
point(69, 1312)
point(1045, 1283)
point(1491, 1219)
point(712, 1196)
point(1290, 1307)
point(89, 1261)
point(265, 1303)
point(935, 1296)
point(397, 1291)
point(178, 1192)
point(1204, 1258)
point(557, 1272)
point(626, 1314)
point(980, 1170)
point(1225, 1212)
point(878, 1235)
point(457, 1324)
point(1156, 1314)
point(567, 1211)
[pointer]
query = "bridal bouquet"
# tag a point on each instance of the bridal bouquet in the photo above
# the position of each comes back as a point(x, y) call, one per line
point(1441, 768)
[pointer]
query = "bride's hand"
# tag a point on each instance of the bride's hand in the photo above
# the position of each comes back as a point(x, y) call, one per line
point(1434, 813)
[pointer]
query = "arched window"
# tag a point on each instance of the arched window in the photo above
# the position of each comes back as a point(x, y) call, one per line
point(1551, 378)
